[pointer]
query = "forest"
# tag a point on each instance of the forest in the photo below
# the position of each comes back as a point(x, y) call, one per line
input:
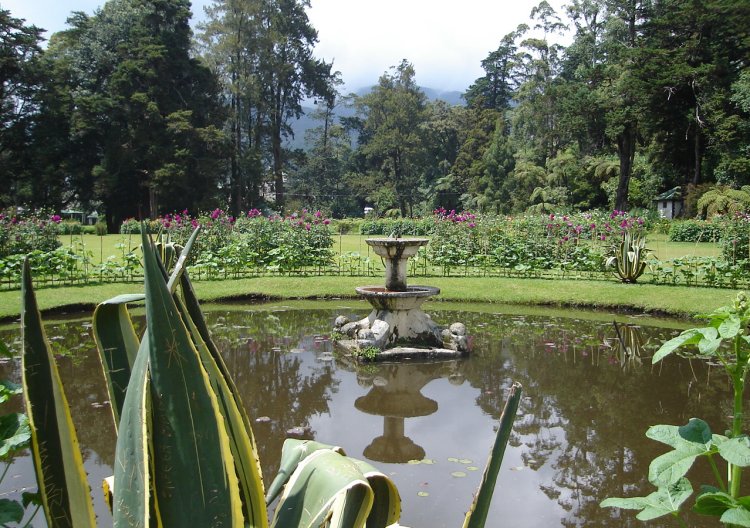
point(131, 113)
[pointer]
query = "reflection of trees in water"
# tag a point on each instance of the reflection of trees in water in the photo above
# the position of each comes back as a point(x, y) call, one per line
point(82, 377)
point(572, 418)
point(273, 382)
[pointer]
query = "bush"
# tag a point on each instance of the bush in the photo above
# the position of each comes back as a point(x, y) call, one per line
point(23, 234)
point(398, 226)
point(100, 228)
point(695, 231)
point(70, 227)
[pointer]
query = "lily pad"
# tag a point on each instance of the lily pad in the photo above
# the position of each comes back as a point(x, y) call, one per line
point(458, 474)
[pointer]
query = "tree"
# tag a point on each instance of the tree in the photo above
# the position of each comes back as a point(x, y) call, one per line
point(20, 80)
point(146, 106)
point(394, 113)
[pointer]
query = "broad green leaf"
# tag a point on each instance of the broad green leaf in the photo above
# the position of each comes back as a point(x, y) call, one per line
point(736, 451)
point(118, 345)
point(9, 389)
point(10, 512)
point(191, 446)
point(708, 347)
point(57, 458)
point(688, 337)
point(713, 503)
point(669, 468)
point(293, 452)
point(695, 431)
point(15, 433)
point(325, 485)
point(476, 517)
point(730, 326)
point(664, 501)
point(738, 516)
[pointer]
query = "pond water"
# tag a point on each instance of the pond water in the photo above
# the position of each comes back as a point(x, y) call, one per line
point(579, 437)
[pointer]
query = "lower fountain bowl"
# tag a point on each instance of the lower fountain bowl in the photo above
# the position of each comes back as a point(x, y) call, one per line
point(382, 299)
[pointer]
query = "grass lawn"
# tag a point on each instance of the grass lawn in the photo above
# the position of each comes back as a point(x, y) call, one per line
point(674, 300)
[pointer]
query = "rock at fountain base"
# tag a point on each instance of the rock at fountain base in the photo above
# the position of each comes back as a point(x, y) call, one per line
point(353, 347)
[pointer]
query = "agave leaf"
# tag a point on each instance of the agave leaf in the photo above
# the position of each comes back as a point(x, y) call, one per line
point(132, 477)
point(190, 441)
point(476, 517)
point(292, 453)
point(117, 344)
point(325, 486)
point(241, 441)
point(386, 508)
point(57, 458)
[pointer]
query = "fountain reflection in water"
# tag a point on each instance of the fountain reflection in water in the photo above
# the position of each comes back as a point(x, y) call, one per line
point(397, 327)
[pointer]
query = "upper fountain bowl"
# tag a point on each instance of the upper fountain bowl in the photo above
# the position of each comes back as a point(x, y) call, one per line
point(396, 248)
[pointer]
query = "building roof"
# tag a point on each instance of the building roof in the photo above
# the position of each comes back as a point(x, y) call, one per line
point(674, 194)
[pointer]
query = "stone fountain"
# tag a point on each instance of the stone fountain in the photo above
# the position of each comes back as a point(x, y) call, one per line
point(397, 326)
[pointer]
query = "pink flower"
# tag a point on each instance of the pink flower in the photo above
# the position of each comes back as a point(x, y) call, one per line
point(215, 214)
point(56, 219)
point(326, 221)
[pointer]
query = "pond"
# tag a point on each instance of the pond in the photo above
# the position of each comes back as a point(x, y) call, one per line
point(578, 439)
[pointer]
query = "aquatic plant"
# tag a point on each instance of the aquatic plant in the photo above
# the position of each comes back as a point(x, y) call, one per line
point(724, 341)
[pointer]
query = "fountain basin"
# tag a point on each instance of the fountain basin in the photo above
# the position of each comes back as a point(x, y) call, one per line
point(384, 299)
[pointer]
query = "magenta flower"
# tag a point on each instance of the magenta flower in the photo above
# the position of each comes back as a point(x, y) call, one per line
point(326, 221)
point(55, 218)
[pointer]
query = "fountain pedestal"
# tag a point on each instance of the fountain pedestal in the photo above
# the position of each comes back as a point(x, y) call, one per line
point(397, 326)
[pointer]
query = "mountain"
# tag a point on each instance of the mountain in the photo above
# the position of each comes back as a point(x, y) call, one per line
point(306, 122)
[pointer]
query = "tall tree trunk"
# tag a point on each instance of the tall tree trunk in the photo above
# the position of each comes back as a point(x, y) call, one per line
point(236, 178)
point(278, 168)
point(626, 152)
point(697, 156)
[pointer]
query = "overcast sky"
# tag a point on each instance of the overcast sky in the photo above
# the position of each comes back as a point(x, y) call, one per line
point(444, 39)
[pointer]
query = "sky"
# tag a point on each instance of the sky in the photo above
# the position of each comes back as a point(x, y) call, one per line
point(445, 40)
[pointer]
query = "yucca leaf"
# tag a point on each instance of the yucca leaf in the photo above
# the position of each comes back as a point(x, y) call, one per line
point(117, 344)
point(477, 514)
point(194, 476)
point(242, 444)
point(293, 452)
point(325, 486)
point(180, 265)
point(57, 458)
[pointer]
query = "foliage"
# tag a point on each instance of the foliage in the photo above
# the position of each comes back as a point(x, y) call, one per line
point(724, 201)
point(21, 234)
point(695, 231)
point(724, 341)
point(15, 435)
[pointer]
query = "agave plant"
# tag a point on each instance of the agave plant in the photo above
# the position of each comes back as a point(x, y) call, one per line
point(630, 257)
point(185, 453)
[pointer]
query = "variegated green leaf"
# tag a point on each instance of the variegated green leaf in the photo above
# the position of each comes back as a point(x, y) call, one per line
point(117, 344)
point(293, 452)
point(57, 458)
point(190, 442)
point(325, 486)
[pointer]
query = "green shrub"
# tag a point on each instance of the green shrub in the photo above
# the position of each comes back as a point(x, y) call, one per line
point(70, 227)
point(695, 231)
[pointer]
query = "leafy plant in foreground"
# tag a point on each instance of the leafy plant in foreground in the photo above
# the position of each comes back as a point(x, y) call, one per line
point(725, 340)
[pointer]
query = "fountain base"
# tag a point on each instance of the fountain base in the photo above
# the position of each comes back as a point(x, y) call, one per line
point(398, 327)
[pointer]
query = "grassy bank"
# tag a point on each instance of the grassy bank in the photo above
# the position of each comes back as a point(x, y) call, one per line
point(673, 300)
